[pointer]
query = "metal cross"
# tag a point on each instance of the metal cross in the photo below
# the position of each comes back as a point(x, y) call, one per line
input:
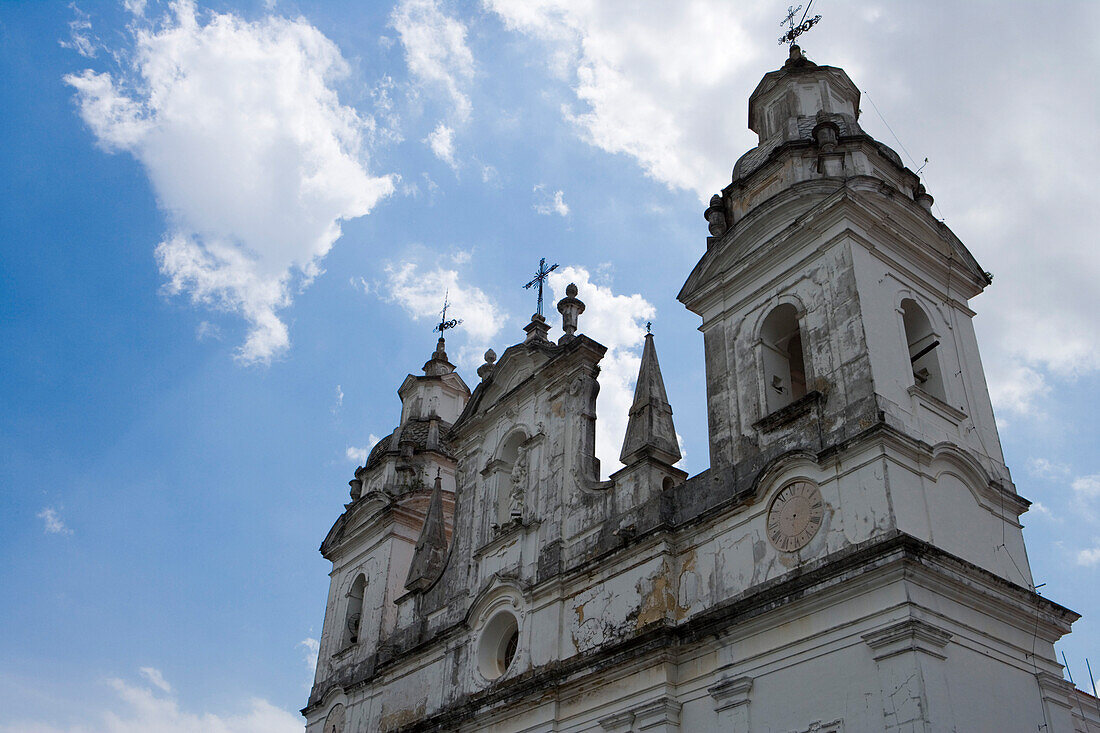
point(539, 279)
point(444, 324)
point(648, 326)
point(795, 30)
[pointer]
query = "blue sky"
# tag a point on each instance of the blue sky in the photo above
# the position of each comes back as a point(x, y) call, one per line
point(227, 227)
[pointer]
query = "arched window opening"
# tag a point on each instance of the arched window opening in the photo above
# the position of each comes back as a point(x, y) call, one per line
point(784, 364)
point(923, 347)
point(498, 645)
point(353, 619)
point(511, 479)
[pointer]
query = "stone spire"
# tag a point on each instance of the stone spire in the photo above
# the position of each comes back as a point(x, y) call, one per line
point(650, 432)
point(431, 547)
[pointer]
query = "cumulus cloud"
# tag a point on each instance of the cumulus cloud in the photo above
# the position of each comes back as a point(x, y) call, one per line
point(52, 521)
point(680, 116)
point(632, 95)
point(547, 203)
point(617, 322)
point(138, 709)
point(441, 140)
point(252, 156)
point(436, 51)
point(359, 454)
point(420, 292)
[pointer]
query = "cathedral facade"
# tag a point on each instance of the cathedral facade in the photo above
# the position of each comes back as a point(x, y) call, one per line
point(852, 560)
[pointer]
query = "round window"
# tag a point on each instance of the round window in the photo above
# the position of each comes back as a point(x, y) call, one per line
point(498, 644)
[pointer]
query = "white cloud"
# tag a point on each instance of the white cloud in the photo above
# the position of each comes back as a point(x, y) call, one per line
point(1041, 509)
point(312, 648)
point(53, 522)
point(252, 156)
point(617, 322)
point(680, 116)
point(339, 401)
point(1045, 469)
point(207, 330)
point(138, 709)
point(547, 203)
point(81, 38)
point(436, 51)
point(360, 454)
point(442, 142)
point(154, 676)
point(1087, 487)
point(637, 98)
point(360, 284)
point(1089, 557)
point(137, 7)
point(420, 292)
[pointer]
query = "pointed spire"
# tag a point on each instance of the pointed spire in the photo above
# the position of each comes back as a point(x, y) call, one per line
point(650, 432)
point(431, 547)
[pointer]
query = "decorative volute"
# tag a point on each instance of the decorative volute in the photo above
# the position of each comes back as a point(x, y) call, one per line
point(649, 431)
point(431, 547)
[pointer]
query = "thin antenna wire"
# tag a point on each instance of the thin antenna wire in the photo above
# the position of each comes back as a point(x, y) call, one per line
point(1075, 695)
point(1091, 680)
point(904, 149)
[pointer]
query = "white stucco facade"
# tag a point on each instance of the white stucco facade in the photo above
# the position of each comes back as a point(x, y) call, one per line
point(851, 561)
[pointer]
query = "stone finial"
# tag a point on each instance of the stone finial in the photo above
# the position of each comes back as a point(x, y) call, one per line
point(649, 431)
point(438, 364)
point(536, 329)
point(486, 369)
point(570, 308)
point(431, 547)
point(716, 216)
point(923, 198)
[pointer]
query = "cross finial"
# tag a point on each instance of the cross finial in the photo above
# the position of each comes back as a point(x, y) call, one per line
point(649, 326)
point(539, 279)
point(794, 30)
point(444, 324)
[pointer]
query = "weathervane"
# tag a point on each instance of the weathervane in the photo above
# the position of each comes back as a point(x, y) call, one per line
point(649, 326)
point(444, 324)
point(795, 30)
point(539, 279)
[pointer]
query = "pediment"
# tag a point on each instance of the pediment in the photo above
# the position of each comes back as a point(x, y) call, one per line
point(356, 516)
point(517, 365)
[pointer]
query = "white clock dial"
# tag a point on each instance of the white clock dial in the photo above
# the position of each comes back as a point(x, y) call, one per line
point(795, 516)
point(334, 723)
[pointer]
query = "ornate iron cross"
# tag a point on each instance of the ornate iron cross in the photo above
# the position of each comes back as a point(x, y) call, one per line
point(795, 30)
point(539, 279)
point(444, 324)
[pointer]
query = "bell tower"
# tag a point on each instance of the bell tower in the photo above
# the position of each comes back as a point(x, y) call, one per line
point(835, 306)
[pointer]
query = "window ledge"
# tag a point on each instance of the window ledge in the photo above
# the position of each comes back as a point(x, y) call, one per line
point(936, 405)
point(789, 413)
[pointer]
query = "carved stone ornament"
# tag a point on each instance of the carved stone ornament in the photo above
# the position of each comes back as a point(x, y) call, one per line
point(716, 216)
point(519, 486)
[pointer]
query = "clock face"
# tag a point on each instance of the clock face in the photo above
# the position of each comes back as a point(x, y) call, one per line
point(795, 516)
point(334, 723)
